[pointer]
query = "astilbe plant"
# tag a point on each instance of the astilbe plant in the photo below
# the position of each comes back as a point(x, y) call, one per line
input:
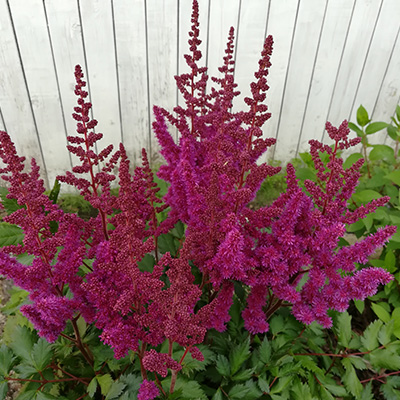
point(283, 254)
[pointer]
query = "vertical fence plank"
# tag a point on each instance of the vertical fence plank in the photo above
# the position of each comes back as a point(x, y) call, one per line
point(280, 24)
point(16, 109)
point(223, 15)
point(97, 27)
point(305, 44)
point(130, 32)
point(356, 47)
point(162, 55)
point(66, 39)
point(378, 58)
point(33, 40)
point(250, 40)
point(333, 37)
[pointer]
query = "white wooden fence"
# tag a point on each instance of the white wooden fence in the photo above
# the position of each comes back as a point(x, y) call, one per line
point(329, 57)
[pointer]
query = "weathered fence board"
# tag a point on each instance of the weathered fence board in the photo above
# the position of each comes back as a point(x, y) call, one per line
point(329, 57)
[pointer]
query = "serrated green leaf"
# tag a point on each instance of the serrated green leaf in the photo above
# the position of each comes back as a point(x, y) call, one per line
point(358, 363)
point(238, 392)
point(10, 234)
point(147, 263)
point(370, 337)
point(28, 395)
point(42, 353)
point(300, 391)
point(22, 344)
point(396, 319)
point(324, 394)
point(384, 358)
point(362, 116)
point(386, 332)
point(343, 328)
point(6, 359)
point(309, 364)
point(263, 385)
point(367, 392)
point(243, 375)
point(91, 389)
point(360, 305)
point(350, 379)
point(115, 390)
point(336, 390)
point(356, 129)
point(375, 127)
point(223, 366)
point(105, 382)
point(380, 312)
point(265, 351)
point(132, 384)
point(3, 390)
point(238, 355)
point(280, 384)
point(218, 395)
point(10, 205)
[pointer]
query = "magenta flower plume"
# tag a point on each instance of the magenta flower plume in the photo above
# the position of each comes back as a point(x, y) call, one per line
point(148, 390)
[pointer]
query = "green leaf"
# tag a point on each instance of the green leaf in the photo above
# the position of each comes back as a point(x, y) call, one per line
point(238, 392)
point(281, 384)
point(265, 351)
point(382, 152)
point(42, 354)
point(370, 338)
point(351, 380)
point(263, 385)
point(393, 132)
point(10, 205)
point(394, 176)
point(105, 382)
point(375, 127)
point(166, 242)
point(10, 234)
point(115, 390)
point(381, 313)
point(384, 358)
point(132, 384)
point(238, 355)
point(362, 116)
point(6, 359)
point(367, 392)
point(358, 363)
point(243, 375)
point(218, 395)
point(398, 112)
point(396, 319)
point(356, 129)
point(365, 196)
point(351, 159)
point(223, 366)
point(386, 332)
point(22, 344)
point(3, 390)
point(91, 389)
point(300, 391)
point(344, 328)
point(53, 196)
point(360, 305)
